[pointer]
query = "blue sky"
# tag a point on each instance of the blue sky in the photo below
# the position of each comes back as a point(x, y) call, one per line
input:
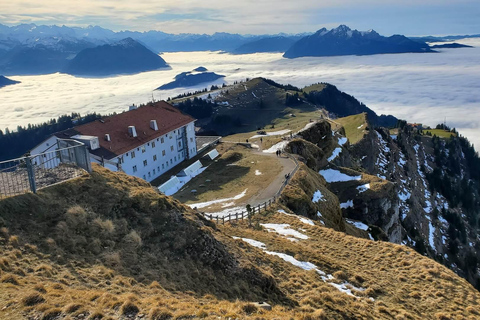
point(426, 17)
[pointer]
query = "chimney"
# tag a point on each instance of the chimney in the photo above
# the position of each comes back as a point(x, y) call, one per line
point(132, 132)
point(153, 125)
point(107, 137)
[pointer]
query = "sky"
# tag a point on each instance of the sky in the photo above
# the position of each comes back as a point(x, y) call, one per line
point(409, 17)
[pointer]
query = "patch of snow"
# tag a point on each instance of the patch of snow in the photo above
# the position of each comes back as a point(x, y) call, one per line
point(183, 181)
point(335, 154)
point(431, 236)
point(253, 243)
point(358, 224)
point(301, 264)
point(229, 204)
point(226, 212)
point(319, 214)
point(363, 188)
point(209, 203)
point(317, 196)
point(332, 175)
point(344, 287)
point(393, 136)
point(342, 141)
point(307, 221)
point(271, 134)
point(253, 93)
point(405, 195)
point(348, 204)
point(284, 229)
point(360, 127)
point(258, 173)
point(279, 146)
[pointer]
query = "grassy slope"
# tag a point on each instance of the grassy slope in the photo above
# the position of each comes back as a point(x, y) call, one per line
point(230, 175)
point(404, 284)
point(440, 133)
point(183, 268)
point(351, 125)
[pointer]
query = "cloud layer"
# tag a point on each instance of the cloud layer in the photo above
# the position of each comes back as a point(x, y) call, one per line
point(423, 88)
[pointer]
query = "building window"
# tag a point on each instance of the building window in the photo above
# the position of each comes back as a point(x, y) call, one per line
point(153, 144)
point(163, 153)
point(179, 144)
point(162, 140)
point(126, 154)
point(191, 139)
point(158, 168)
point(167, 163)
point(171, 148)
point(144, 163)
point(143, 149)
point(134, 168)
point(133, 154)
point(171, 161)
point(163, 166)
point(144, 178)
point(175, 158)
point(154, 157)
point(149, 175)
point(153, 171)
point(148, 143)
point(138, 149)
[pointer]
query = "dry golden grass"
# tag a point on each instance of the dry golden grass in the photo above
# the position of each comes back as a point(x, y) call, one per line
point(355, 126)
point(45, 282)
point(230, 175)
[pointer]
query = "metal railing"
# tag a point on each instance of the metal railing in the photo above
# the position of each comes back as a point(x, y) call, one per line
point(69, 160)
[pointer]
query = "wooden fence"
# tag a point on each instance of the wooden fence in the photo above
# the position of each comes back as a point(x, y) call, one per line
point(231, 217)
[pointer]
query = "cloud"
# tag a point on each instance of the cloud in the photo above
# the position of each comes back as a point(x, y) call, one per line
point(247, 16)
point(424, 88)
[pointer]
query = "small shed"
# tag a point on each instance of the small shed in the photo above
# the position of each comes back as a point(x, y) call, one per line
point(212, 154)
point(171, 186)
point(191, 170)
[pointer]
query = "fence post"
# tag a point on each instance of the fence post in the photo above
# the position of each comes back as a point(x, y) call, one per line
point(31, 174)
point(211, 218)
point(88, 164)
point(217, 219)
point(236, 216)
point(265, 205)
point(223, 218)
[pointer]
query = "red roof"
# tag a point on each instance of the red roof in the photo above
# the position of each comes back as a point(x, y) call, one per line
point(168, 119)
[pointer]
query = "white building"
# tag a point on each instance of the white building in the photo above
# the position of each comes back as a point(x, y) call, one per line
point(144, 142)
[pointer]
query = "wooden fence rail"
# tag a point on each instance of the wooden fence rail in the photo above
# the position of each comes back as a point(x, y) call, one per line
point(236, 216)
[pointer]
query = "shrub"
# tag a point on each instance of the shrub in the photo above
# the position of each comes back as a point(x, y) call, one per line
point(72, 307)
point(159, 314)
point(129, 309)
point(249, 308)
point(52, 314)
point(9, 278)
point(76, 217)
point(32, 299)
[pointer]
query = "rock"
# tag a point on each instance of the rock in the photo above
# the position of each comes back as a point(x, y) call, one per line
point(263, 305)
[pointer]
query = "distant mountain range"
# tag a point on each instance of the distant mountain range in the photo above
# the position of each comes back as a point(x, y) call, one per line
point(268, 44)
point(450, 46)
point(191, 78)
point(345, 41)
point(31, 49)
point(6, 82)
point(124, 57)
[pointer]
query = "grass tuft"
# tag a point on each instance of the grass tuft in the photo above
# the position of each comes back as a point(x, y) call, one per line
point(32, 299)
point(129, 309)
point(159, 314)
point(52, 314)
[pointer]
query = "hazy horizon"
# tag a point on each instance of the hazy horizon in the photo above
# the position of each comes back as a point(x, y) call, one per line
point(429, 17)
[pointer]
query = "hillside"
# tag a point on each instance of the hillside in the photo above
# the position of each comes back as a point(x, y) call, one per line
point(191, 78)
point(269, 44)
point(344, 41)
point(108, 246)
point(228, 110)
point(123, 57)
point(420, 189)
point(4, 81)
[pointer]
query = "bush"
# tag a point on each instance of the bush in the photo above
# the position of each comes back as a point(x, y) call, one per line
point(159, 314)
point(249, 308)
point(129, 309)
point(32, 299)
point(52, 314)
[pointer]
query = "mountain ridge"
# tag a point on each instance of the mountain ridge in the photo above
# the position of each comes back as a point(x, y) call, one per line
point(345, 41)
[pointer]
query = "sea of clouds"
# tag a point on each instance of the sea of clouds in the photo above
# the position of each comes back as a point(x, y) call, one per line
point(424, 88)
